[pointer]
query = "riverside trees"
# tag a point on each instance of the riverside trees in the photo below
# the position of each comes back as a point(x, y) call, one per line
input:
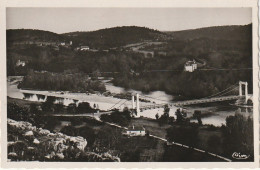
point(77, 82)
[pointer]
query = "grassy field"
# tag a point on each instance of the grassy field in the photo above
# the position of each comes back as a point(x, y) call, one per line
point(151, 126)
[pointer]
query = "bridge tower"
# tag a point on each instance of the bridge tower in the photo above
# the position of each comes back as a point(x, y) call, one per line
point(136, 105)
point(133, 102)
point(241, 83)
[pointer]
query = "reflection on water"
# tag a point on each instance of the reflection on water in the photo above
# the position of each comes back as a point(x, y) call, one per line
point(27, 96)
point(41, 97)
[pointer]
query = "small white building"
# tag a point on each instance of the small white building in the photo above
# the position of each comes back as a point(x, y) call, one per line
point(135, 131)
point(20, 63)
point(190, 66)
point(63, 43)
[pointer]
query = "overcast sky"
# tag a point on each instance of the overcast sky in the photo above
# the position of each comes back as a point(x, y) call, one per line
point(61, 20)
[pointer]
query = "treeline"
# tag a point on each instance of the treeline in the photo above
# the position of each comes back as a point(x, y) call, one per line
point(115, 37)
point(186, 85)
point(235, 136)
point(117, 117)
point(61, 81)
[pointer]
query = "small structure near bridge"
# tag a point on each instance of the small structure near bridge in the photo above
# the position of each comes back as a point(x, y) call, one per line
point(135, 131)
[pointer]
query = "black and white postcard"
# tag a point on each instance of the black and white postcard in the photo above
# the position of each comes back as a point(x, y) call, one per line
point(172, 83)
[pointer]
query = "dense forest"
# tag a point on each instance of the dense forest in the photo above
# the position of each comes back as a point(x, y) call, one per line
point(218, 32)
point(116, 37)
point(22, 35)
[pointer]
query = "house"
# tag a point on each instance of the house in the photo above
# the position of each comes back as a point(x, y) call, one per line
point(20, 63)
point(190, 66)
point(62, 43)
point(135, 131)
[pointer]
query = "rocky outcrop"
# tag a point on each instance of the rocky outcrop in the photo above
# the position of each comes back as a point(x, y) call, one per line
point(40, 144)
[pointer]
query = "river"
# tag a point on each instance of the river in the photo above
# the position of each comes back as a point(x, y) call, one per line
point(214, 114)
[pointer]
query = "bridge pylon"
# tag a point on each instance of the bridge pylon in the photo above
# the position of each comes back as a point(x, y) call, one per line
point(241, 83)
point(136, 105)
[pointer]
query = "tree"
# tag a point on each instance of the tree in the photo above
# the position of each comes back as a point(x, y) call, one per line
point(33, 108)
point(157, 116)
point(48, 105)
point(197, 114)
point(165, 117)
point(16, 112)
point(72, 108)
point(180, 116)
point(238, 135)
point(84, 107)
point(59, 107)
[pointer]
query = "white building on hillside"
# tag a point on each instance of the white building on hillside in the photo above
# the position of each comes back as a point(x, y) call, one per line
point(136, 131)
point(190, 66)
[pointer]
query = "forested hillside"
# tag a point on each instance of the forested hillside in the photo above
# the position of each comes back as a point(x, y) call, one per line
point(219, 32)
point(227, 47)
point(21, 35)
point(115, 37)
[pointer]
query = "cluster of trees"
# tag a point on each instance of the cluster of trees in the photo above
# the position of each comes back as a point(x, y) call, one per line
point(116, 37)
point(117, 117)
point(17, 112)
point(61, 81)
point(238, 136)
point(235, 136)
point(49, 106)
point(188, 85)
point(181, 117)
point(165, 118)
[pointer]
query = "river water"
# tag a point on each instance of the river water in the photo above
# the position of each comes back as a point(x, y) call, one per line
point(211, 113)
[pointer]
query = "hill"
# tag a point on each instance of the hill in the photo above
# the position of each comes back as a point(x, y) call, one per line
point(29, 36)
point(219, 32)
point(116, 36)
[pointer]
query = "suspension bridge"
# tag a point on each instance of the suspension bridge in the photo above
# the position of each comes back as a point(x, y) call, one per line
point(224, 95)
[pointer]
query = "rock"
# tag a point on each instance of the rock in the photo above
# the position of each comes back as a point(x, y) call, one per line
point(36, 141)
point(60, 155)
point(10, 143)
point(12, 154)
point(29, 133)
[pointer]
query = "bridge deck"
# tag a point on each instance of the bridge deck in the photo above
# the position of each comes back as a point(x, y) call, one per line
point(190, 102)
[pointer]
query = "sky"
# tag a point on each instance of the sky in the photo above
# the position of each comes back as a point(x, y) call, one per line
point(62, 20)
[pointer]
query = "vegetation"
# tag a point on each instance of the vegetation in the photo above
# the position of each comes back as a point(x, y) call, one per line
point(220, 47)
point(197, 115)
point(235, 136)
point(239, 135)
point(218, 32)
point(116, 37)
point(165, 117)
point(65, 82)
point(117, 117)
